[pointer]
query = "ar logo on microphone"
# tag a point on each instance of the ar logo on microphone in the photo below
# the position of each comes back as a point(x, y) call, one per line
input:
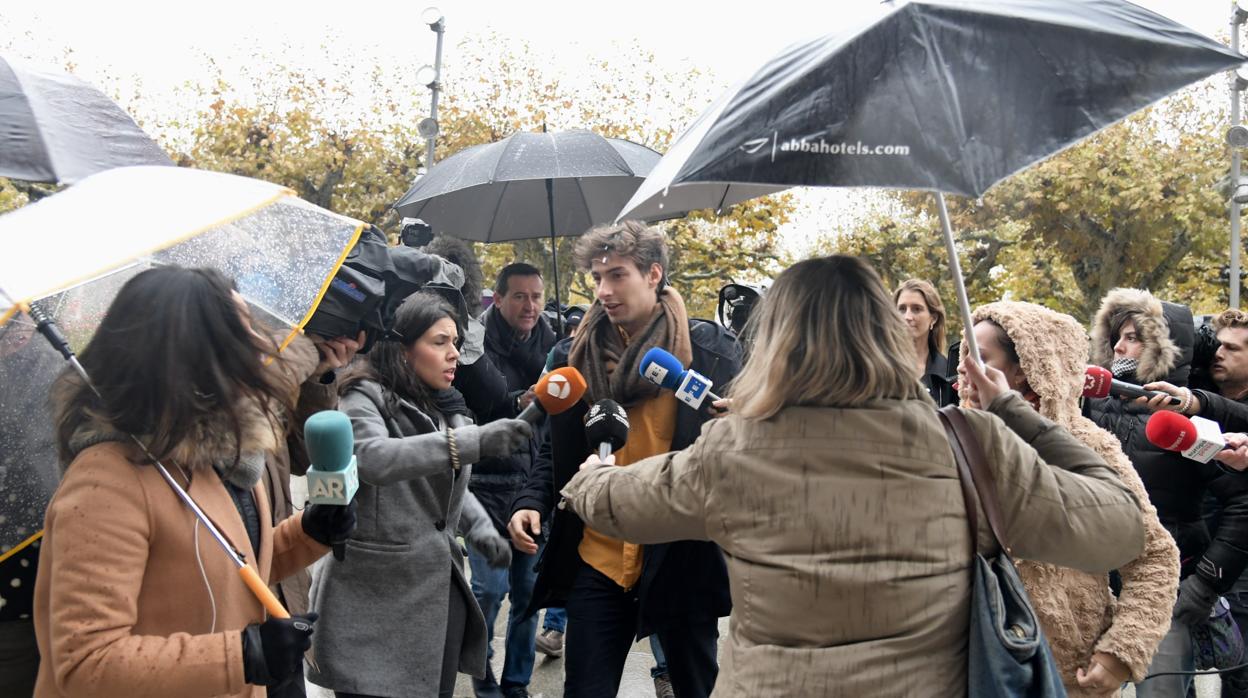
point(558, 387)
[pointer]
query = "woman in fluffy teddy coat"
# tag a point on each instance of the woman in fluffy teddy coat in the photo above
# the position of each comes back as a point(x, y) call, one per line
point(1099, 642)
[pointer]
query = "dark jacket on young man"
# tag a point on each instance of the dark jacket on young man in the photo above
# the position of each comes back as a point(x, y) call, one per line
point(497, 481)
point(1176, 485)
point(681, 580)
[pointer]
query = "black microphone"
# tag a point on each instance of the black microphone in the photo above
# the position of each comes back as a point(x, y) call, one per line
point(606, 424)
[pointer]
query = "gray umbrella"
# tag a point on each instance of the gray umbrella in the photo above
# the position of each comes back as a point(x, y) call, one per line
point(530, 185)
point(943, 95)
point(57, 128)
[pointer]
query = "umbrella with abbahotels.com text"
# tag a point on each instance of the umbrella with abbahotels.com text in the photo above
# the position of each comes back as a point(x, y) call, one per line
point(947, 96)
point(281, 251)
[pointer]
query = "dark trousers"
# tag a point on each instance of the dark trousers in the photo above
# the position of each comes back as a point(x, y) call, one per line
point(19, 658)
point(602, 624)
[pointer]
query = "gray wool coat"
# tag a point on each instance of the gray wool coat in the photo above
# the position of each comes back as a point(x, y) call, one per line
point(383, 609)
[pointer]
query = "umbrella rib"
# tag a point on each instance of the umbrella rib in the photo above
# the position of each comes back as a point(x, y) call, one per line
point(498, 204)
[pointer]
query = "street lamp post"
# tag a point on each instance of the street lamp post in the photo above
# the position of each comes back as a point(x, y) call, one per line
point(431, 76)
point(1237, 136)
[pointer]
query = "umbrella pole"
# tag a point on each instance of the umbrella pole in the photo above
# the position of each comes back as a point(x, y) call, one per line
point(963, 303)
point(554, 255)
point(249, 575)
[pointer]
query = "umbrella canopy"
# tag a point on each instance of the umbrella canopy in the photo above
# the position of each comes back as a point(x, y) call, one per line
point(281, 251)
point(57, 128)
point(498, 192)
point(948, 96)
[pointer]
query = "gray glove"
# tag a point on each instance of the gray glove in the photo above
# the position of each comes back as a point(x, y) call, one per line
point(486, 541)
point(1196, 599)
point(478, 531)
point(503, 437)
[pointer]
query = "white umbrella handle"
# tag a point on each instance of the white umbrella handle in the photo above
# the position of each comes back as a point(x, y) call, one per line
point(964, 304)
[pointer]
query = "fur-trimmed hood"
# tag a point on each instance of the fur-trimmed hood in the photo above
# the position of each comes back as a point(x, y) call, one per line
point(1165, 329)
point(211, 439)
point(1052, 351)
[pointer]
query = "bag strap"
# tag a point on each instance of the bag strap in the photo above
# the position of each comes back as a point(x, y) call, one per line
point(974, 474)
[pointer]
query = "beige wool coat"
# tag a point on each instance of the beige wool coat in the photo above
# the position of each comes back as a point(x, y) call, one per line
point(121, 606)
point(1076, 609)
point(846, 535)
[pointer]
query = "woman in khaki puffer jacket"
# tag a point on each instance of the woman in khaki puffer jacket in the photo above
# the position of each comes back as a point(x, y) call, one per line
point(1098, 642)
point(832, 491)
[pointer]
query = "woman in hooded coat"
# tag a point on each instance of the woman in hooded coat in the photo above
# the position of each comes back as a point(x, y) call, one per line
point(1143, 340)
point(1098, 642)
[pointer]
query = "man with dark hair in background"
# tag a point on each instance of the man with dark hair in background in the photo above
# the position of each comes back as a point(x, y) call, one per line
point(616, 591)
point(517, 340)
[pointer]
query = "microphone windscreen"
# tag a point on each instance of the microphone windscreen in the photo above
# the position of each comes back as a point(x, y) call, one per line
point(1096, 381)
point(560, 389)
point(329, 440)
point(661, 368)
point(1170, 431)
point(607, 423)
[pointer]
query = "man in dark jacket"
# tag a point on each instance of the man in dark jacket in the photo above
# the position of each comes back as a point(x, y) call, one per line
point(517, 340)
point(1143, 340)
point(614, 591)
point(1228, 406)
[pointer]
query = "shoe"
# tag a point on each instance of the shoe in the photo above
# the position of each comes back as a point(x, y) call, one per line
point(516, 692)
point(487, 687)
point(550, 643)
point(663, 687)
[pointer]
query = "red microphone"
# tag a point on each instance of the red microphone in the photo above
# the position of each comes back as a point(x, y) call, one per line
point(1170, 431)
point(1099, 382)
point(1198, 439)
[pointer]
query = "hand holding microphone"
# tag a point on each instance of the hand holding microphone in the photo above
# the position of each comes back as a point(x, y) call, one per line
point(1098, 382)
point(333, 479)
point(1196, 438)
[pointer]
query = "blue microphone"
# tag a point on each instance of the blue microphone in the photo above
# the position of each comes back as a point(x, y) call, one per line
point(664, 370)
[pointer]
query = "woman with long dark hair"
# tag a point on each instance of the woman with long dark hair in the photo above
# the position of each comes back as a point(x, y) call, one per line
point(397, 615)
point(132, 597)
point(832, 490)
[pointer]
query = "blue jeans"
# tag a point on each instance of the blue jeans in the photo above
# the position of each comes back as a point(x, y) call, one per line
point(1173, 654)
point(556, 620)
point(660, 662)
point(490, 585)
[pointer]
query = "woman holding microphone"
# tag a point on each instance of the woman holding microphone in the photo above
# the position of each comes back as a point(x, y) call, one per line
point(832, 490)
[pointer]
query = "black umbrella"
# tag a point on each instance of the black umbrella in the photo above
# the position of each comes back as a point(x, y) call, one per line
point(57, 128)
point(530, 185)
point(946, 96)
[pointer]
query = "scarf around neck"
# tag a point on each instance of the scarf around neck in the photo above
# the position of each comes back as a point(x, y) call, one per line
point(610, 364)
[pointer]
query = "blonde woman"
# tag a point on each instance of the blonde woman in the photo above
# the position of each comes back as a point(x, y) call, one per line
point(924, 313)
point(832, 490)
point(1099, 642)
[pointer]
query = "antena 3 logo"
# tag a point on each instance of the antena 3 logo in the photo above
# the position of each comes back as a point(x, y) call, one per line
point(558, 387)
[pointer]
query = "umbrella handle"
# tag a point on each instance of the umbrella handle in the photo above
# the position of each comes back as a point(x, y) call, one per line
point(955, 267)
point(262, 591)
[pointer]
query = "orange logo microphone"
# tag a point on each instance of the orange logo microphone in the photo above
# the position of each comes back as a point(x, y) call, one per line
point(556, 392)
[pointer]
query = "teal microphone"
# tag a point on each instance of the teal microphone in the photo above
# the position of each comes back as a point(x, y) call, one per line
point(333, 477)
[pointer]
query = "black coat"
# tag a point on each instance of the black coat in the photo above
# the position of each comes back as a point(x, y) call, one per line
point(680, 580)
point(1177, 485)
point(495, 482)
point(1232, 415)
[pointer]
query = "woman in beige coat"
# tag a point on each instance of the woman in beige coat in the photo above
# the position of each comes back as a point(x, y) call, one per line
point(133, 597)
point(1099, 642)
point(832, 490)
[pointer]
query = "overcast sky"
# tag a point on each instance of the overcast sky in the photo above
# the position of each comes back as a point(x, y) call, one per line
point(162, 44)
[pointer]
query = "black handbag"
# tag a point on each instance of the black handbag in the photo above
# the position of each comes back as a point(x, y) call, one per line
point(1008, 655)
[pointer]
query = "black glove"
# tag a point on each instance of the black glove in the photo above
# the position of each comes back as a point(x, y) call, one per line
point(503, 437)
point(1196, 599)
point(329, 524)
point(273, 650)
